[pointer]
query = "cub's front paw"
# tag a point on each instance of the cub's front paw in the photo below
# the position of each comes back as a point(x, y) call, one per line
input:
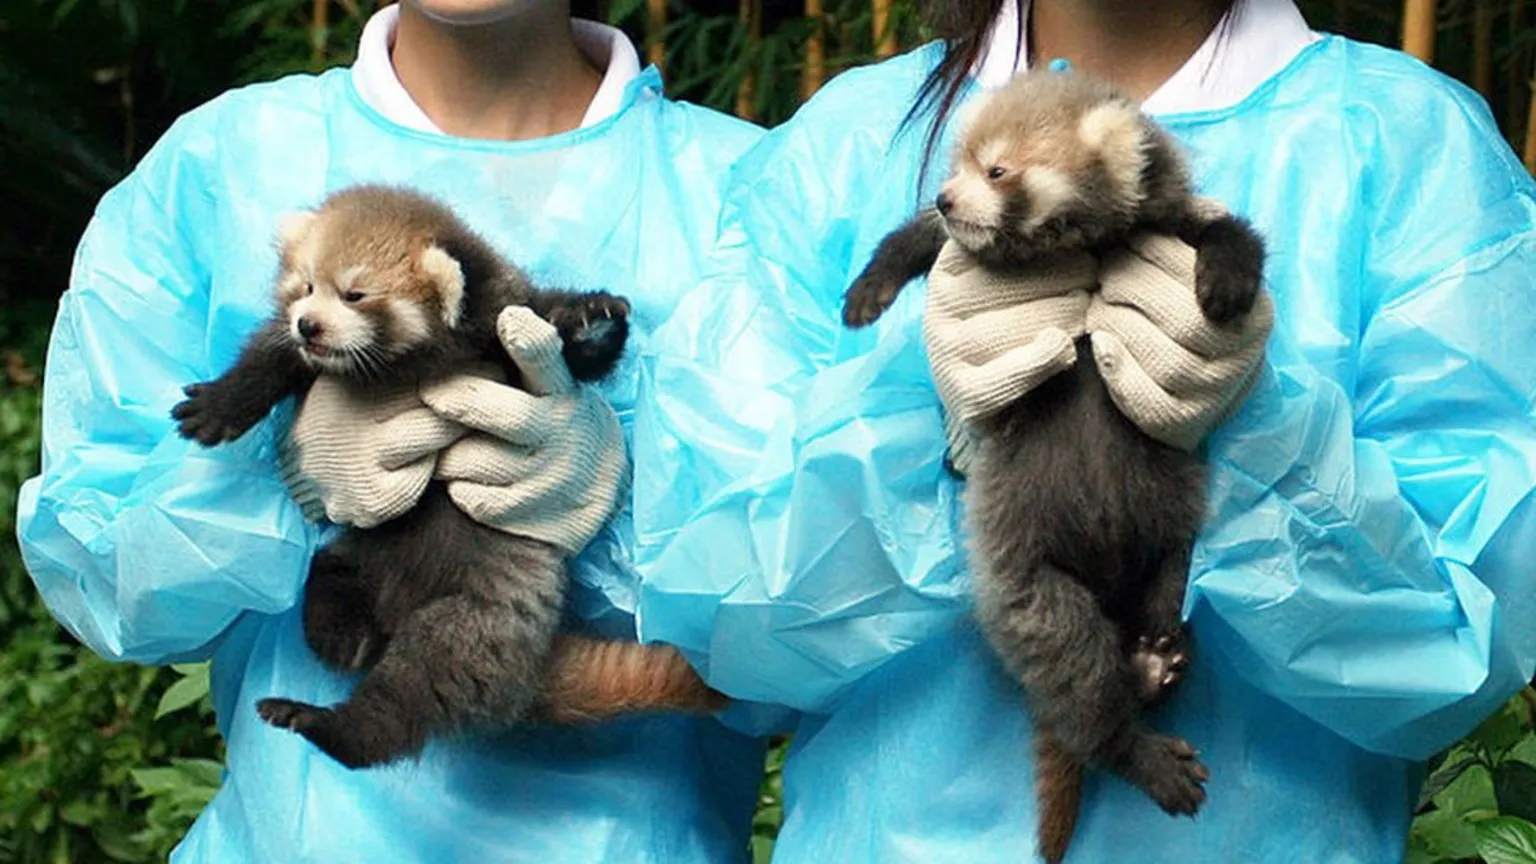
point(868, 299)
point(214, 414)
point(594, 329)
point(1229, 271)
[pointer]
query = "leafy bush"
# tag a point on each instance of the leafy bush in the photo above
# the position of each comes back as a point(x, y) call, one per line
point(1479, 802)
point(90, 770)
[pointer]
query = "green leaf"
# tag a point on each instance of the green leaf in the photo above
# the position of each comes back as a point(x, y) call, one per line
point(154, 781)
point(183, 693)
point(1525, 751)
point(762, 849)
point(1507, 840)
point(1471, 792)
point(1501, 731)
point(1514, 785)
point(200, 772)
point(1446, 834)
point(81, 812)
point(1441, 779)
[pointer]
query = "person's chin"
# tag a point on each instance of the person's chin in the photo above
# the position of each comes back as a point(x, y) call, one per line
point(466, 13)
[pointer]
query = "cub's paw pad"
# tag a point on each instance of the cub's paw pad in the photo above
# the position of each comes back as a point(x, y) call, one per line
point(594, 330)
point(1160, 664)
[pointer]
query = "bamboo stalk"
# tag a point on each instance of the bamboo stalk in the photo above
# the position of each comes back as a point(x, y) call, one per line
point(1530, 131)
point(1419, 29)
point(751, 12)
point(815, 72)
point(655, 25)
point(319, 22)
point(885, 35)
point(1482, 48)
point(1519, 61)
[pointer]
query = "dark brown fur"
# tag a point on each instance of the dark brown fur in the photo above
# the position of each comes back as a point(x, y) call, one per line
point(1082, 524)
point(455, 622)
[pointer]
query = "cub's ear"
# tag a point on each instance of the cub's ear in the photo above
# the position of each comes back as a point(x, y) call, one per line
point(292, 228)
point(1116, 132)
point(448, 276)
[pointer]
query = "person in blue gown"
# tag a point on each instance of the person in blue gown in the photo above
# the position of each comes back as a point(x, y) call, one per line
point(549, 138)
point(1362, 591)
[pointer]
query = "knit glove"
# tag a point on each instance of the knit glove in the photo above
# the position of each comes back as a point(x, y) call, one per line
point(992, 338)
point(1169, 370)
point(546, 461)
point(361, 459)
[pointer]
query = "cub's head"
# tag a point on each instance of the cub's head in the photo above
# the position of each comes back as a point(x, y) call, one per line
point(1051, 161)
point(365, 281)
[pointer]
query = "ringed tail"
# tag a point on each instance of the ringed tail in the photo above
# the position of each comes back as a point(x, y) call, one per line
point(1058, 797)
point(594, 679)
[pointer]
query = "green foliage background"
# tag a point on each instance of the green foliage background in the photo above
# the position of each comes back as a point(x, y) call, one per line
point(105, 762)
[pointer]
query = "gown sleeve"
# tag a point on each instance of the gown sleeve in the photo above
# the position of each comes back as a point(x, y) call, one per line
point(145, 546)
point(1371, 560)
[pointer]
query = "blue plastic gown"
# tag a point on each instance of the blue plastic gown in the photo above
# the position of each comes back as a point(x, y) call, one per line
point(1362, 593)
point(153, 550)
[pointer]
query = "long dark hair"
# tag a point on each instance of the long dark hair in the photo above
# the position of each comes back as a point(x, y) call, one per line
point(964, 25)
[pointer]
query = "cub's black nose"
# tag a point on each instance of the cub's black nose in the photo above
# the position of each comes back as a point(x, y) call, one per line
point(944, 204)
point(308, 329)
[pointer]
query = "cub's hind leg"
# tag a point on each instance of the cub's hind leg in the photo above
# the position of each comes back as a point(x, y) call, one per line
point(339, 622)
point(1162, 651)
point(462, 662)
point(1080, 688)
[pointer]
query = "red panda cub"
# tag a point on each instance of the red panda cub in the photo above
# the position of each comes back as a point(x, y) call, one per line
point(1082, 525)
point(454, 622)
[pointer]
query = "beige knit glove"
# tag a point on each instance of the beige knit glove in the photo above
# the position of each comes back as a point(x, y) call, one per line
point(991, 338)
point(1168, 369)
point(547, 461)
point(362, 460)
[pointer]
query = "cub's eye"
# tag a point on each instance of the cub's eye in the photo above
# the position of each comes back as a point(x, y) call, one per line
point(309, 289)
point(996, 172)
point(352, 296)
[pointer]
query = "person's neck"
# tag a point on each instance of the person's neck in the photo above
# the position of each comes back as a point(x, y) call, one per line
point(1135, 44)
point(514, 79)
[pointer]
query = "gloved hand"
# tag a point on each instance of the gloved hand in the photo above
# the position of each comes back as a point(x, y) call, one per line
point(546, 461)
point(1168, 369)
point(992, 339)
point(359, 460)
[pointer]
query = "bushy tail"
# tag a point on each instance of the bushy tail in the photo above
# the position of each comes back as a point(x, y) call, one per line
point(1058, 797)
point(591, 680)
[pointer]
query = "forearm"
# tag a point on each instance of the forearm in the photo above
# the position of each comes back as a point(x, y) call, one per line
point(1325, 576)
point(150, 562)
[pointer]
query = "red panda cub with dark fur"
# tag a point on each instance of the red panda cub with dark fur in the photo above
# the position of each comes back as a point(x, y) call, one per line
point(455, 622)
point(1082, 524)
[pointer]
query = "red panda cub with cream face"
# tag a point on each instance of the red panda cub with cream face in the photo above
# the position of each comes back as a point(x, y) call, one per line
point(454, 622)
point(1082, 524)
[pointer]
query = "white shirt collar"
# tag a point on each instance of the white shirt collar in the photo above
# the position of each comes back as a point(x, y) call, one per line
point(1255, 41)
point(373, 74)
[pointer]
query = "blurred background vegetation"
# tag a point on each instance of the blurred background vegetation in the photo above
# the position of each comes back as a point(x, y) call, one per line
point(101, 762)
